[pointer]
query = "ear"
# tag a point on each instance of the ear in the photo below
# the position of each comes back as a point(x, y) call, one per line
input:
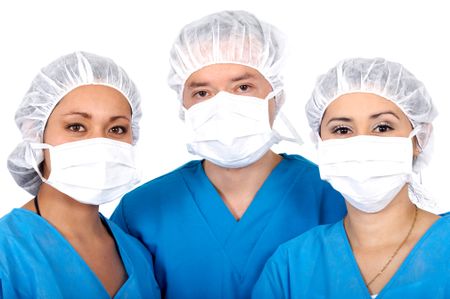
point(416, 148)
point(45, 166)
point(423, 135)
point(273, 111)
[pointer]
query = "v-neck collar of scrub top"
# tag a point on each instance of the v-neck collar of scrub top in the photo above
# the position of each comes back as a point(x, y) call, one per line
point(225, 228)
point(123, 255)
point(349, 252)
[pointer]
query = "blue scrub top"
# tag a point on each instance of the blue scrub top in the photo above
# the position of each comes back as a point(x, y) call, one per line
point(321, 264)
point(199, 249)
point(36, 261)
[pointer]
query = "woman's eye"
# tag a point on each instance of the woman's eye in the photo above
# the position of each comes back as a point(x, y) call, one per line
point(76, 128)
point(341, 130)
point(201, 93)
point(382, 128)
point(118, 130)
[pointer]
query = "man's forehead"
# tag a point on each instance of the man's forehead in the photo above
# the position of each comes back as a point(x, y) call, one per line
point(222, 72)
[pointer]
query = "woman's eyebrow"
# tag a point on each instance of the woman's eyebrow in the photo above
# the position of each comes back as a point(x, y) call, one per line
point(82, 114)
point(88, 116)
point(373, 116)
point(342, 119)
point(113, 118)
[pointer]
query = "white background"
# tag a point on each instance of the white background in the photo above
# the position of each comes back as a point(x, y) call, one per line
point(139, 34)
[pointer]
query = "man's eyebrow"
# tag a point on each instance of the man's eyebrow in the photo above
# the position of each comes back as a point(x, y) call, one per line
point(195, 84)
point(243, 77)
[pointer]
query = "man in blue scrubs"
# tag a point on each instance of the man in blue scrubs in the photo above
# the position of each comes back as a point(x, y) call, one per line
point(212, 224)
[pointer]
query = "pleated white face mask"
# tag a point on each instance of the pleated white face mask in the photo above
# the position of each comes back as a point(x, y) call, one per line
point(368, 171)
point(92, 171)
point(230, 130)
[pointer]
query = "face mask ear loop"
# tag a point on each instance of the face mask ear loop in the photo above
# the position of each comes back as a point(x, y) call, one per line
point(415, 131)
point(297, 138)
point(33, 159)
point(273, 94)
point(182, 112)
point(315, 138)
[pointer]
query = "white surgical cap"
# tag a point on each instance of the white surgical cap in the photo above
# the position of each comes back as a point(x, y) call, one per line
point(51, 84)
point(387, 79)
point(227, 37)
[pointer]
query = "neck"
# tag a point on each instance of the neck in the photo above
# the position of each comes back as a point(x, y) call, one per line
point(70, 217)
point(376, 229)
point(238, 186)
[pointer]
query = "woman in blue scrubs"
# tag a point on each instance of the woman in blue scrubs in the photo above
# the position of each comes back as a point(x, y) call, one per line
point(373, 120)
point(79, 121)
point(211, 224)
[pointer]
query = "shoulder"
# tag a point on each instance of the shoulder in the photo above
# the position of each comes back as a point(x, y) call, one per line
point(310, 242)
point(148, 203)
point(446, 214)
point(188, 167)
point(161, 189)
point(292, 261)
point(442, 225)
point(446, 218)
point(8, 229)
point(306, 175)
point(302, 166)
point(129, 243)
point(430, 255)
point(5, 221)
point(298, 161)
point(15, 223)
point(18, 230)
point(443, 233)
point(166, 181)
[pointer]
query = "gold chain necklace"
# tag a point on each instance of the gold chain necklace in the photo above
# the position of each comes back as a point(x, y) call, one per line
point(395, 252)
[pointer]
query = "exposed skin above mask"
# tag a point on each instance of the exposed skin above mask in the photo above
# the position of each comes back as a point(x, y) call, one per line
point(233, 78)
point(89, 111)
point(361, 113)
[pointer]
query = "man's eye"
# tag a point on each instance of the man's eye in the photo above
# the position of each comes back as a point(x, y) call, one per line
point(201, 93)
point(244, 87)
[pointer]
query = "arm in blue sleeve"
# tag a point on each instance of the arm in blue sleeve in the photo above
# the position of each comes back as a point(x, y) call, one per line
point(274, 280)
point(6, 289)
